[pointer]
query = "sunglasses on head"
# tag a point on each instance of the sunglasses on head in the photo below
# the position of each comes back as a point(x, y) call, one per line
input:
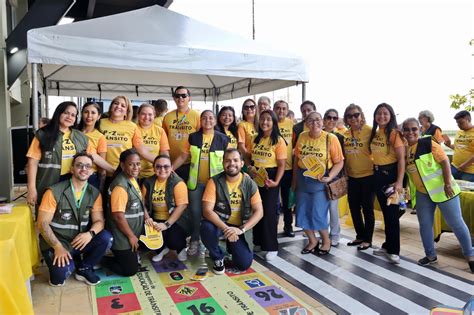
point(412, 129)
point(335, 118)
point(249, 107)
point(355, 115)
point(181, 95)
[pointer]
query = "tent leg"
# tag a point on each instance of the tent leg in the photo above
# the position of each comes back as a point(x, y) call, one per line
point(303, 92)
point(34, 94)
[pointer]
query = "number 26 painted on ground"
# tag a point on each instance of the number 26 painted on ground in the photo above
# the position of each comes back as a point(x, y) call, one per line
point(268, 297)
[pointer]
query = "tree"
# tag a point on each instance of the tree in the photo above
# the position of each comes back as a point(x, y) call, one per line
point(463, 101)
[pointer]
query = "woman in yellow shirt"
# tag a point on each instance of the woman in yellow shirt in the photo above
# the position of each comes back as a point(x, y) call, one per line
point(388, 152)
point(318, 160)
point(266, 165)
point(89, 123)
point(359, 168)
point(227, 124)
point(154, 137)
point(246, 129)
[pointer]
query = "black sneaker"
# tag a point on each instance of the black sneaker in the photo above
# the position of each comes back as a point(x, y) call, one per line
point(427, 261)
point(87, 275)
point(288, 231)
point(218, 267)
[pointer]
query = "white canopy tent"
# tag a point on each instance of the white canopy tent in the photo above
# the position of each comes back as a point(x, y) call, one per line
point(147, 52)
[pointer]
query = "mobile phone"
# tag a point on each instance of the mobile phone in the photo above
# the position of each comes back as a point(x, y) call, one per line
point(200, 274)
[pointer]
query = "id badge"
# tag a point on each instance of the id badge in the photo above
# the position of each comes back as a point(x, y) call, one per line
point(179, 136)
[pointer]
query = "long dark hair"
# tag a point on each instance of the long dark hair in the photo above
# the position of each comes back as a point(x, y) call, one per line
point(233, 125)
point(51, 130)
point(123, 157)
point(392, 125)
point(81, 124)
point(275, 135)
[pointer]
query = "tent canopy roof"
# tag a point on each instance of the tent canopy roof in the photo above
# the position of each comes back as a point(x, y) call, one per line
point(147, 52)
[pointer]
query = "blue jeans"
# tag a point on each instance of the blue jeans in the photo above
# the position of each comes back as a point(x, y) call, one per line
point(334, 227)
point(91, 255)
point(451, 210)
point(241, 255)
point(457, 174)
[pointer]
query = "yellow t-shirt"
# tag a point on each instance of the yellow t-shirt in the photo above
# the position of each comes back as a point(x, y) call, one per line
point(235, 195)
point(265, 154)
point(178, 126)
point(159, 121)
point(358, 161)
point(98, 142)
point(136, 186)
point(286, 130)
point(233, 141)
point(68, 151)
point(464, 149)
point(438, 154)
point(246, 132)
point(120, 136)
point(160, 209)
point(380, 153)
point(306, 146)
point(155, 140)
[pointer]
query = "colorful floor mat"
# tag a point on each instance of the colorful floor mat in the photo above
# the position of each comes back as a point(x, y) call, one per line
point(166, 288)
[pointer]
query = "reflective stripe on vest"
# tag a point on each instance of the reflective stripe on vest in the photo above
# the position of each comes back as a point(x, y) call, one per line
point(44, 165)
point(133, 215)
point(67, 226)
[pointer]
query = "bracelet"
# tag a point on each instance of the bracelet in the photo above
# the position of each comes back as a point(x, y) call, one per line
point(92, 233)
point(167, 224)
point(243, 229)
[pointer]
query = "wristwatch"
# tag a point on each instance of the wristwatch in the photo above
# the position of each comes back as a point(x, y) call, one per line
point(243, 229)
point(92, 233)
point(167, 224)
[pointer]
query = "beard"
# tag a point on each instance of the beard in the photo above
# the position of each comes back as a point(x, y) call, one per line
point(234, 171)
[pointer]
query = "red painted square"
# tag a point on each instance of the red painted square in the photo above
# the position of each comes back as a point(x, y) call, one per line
point(187, 292)
point(232, 272)
point(117, 304)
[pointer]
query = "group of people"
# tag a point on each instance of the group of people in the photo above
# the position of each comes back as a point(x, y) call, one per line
point(201, 177)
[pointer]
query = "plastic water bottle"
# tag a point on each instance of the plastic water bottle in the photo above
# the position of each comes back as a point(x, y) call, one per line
point(402, 203)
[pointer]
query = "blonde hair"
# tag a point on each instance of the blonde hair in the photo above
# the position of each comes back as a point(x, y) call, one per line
point(129, 114)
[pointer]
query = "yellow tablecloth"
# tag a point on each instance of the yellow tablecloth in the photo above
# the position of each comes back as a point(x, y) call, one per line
point(18, 256)
point(344, 209)
point(467, 208)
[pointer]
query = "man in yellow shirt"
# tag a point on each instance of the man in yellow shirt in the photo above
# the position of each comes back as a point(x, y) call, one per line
point(462, 166)
point(231, 206)
point(178, 125)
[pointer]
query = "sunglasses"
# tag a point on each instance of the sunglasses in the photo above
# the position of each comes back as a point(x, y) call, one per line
point(181, 95)
point(82, 166)
point(334, 118)
point(164, 167)
point(412, 129)
point(355, 115)
point(247, 107)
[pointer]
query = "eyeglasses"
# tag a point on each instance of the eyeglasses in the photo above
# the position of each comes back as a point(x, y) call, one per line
point(334, 118)
point(412, 129)
point(181, 95)
point(164, 167)
point(249, 107)
point(82, 166)
point(312, 121)
point(355, 115)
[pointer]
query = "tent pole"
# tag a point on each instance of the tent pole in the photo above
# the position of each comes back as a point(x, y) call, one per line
point(34, 95)
point(303, 92)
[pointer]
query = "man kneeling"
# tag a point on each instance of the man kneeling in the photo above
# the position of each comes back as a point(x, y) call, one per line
point(65, 214)
point(231, 206)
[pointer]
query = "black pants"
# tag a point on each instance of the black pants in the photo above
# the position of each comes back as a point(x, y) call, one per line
point(265, 231)
point(390, 213)
point(285, 186)
point(124, 262)
point(360, 193)
point(183, 172)
point(174, 238)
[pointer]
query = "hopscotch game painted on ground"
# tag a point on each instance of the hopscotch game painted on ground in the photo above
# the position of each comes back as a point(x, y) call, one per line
point(166, 288)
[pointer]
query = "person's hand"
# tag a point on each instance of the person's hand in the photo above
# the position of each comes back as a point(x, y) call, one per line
point(61, 256)
point(81, 240)
point(398, 185)
point(252, 170)
point(149, 222)
point(133, 243)
point(448, 189)
point(326, 179)
point(447, 140)
point(32, 197)
point(232, 233)
point(271, 183)
point(160, 226)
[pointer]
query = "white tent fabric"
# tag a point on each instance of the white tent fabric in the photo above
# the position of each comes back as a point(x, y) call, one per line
point(145, 53)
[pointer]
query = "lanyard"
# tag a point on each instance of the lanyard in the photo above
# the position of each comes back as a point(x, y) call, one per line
point(78, 202)
point(182, 118)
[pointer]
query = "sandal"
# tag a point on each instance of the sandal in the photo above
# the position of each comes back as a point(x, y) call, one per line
point(323, 252)
point(306, 251)
point(364, 247)
point(355, 243)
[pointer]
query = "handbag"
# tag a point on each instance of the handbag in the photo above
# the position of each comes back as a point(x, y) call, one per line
point(338, 186)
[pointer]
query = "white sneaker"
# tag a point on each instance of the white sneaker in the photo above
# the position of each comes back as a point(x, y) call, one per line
point(379, 251)
point(257, 248)
point(160, 256)
point(334, 242)
point(193, 248)
point(394, 259)
point(271, 255)
point(182, 255)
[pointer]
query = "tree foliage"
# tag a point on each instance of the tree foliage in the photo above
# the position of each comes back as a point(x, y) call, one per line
point(465, 102)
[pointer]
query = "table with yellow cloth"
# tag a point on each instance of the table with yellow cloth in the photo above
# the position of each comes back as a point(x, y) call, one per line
point(467, 209)
point(344, 209)
point(18, 256)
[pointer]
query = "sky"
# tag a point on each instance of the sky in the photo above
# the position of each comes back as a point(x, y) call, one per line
point(409, 54)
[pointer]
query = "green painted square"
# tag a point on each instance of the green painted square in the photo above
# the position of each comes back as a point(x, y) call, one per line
point(114, 287)
point(200, 307)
